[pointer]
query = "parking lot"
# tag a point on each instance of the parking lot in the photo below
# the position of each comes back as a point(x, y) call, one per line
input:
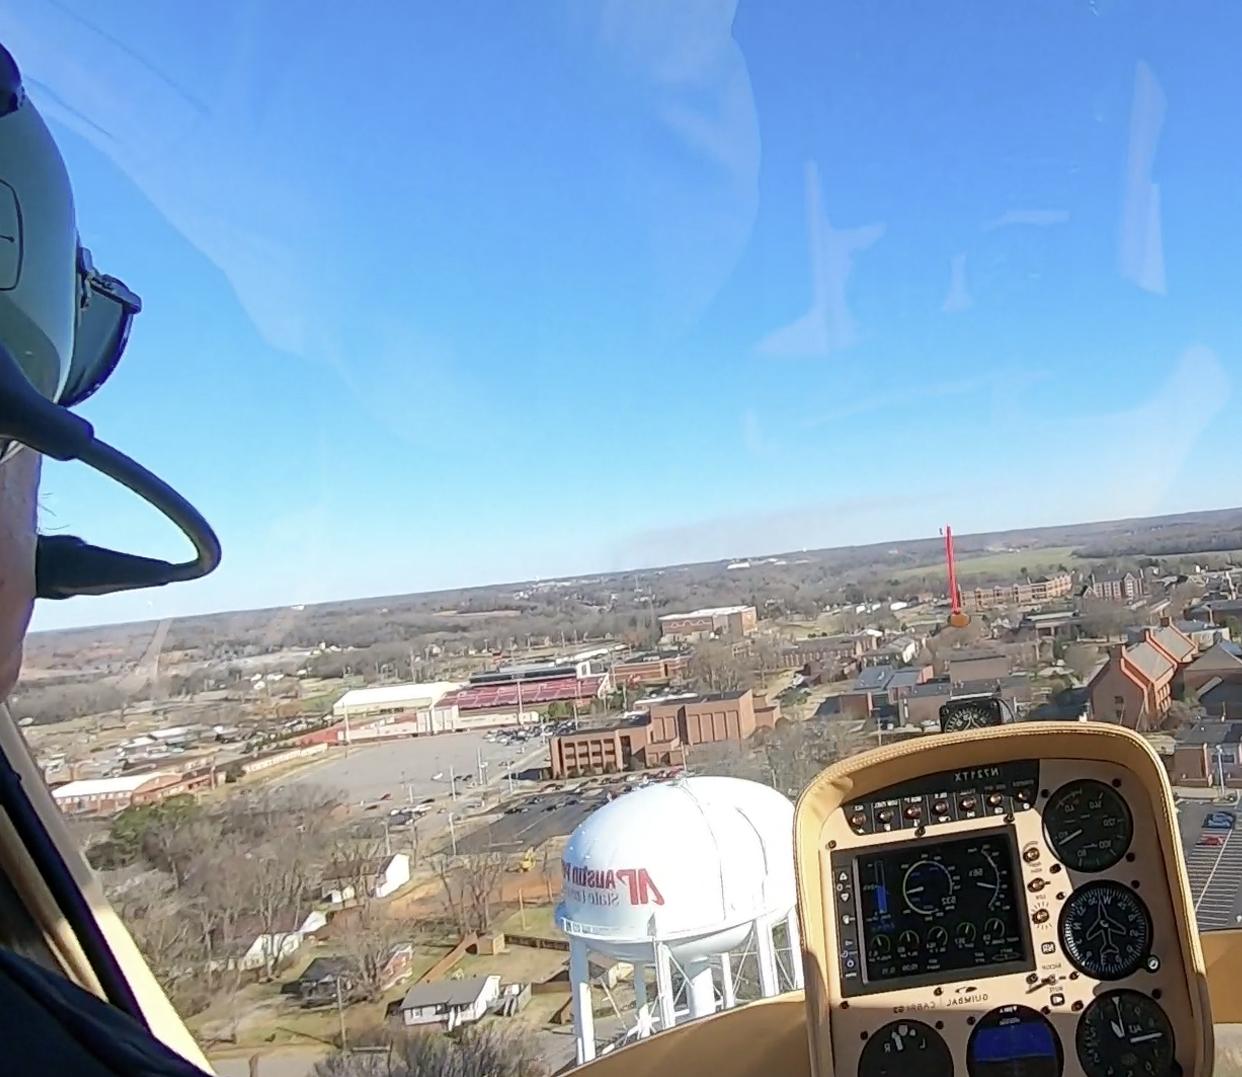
point(415, 767)
point(1215, 871)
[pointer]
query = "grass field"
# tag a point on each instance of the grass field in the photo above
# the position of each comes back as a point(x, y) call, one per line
point(538, 921)
point(1036, 562)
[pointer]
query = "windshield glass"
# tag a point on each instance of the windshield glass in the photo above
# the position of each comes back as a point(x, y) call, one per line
point(582, 394)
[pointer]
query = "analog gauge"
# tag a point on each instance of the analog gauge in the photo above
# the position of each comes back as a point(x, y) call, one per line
point(993, 931)
point(1013, 1041)
point(959, 715)
point(929, 887)
point(1125, 1034)
point(901, 1048)
point(908, 943)
point(937, 940)
point(1105, 930)
point(881, 947)
point(1088, 824)
point(964, 934)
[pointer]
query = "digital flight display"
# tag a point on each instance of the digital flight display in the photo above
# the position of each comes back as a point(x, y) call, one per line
point(932, 910)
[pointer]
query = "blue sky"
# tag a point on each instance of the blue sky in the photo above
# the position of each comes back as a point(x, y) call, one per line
point(463, 293)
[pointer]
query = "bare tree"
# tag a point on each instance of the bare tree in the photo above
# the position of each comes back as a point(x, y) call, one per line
point(484, 1051)
point(471, 885)
point(368, 945)
point(716, 667)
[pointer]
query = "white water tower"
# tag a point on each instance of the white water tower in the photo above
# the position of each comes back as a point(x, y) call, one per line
point(680, 876)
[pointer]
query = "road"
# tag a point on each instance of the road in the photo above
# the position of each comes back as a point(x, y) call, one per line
point(540, 817)
point(1215, 871)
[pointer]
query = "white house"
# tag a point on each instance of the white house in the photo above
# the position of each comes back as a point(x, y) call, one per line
point(449, 1002)
point(379, 877)
point(254, 949)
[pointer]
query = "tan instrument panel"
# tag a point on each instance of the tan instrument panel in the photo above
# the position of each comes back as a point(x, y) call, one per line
point(1000, 903)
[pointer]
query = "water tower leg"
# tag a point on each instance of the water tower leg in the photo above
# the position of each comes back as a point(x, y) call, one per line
point(795, 948)
point(726, 981)
point(702, 989)
point(664, 986)
point(640, 1001)
point(767, 960)
point(580, 985)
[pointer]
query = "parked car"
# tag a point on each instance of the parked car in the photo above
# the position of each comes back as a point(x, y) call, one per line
point(1211, 839)
point(1219, 820)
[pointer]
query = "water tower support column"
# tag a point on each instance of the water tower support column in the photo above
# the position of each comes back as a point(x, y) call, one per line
point(640, 1001)
point(729, 997)
point(664, 986)
point(767, 960)
point(795, 948)
point(702, 989)
point(580, 985)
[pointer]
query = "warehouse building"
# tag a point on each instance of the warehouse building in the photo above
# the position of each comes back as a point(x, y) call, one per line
point(391, 699)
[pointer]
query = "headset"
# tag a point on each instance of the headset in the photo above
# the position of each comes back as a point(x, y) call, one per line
point(63, 329)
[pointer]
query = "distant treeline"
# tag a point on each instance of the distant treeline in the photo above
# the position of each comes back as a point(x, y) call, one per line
point(1164, 545)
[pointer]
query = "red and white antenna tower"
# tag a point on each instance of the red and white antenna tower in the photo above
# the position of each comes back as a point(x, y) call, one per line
point(957, 617)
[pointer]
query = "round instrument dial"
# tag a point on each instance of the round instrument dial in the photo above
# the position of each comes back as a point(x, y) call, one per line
point(1014, 1041)
point(1125, 1034)
point(1105, 930)
point(901, 1048)
point(1089, 825)
point(929, 887)
point(969, 714)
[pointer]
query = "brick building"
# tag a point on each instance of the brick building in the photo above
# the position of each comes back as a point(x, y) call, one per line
point(103, 796)
point(1206, 752)
point(665, 735)
point(1220, 662)
point(650, 668)
point(1019, 593)
point(1123, 588)
point(1135, 685)
point(724, 622)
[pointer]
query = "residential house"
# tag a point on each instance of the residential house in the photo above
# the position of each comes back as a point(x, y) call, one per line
point(1220, 662)
point(1135, 685)
point(1222, 699)
point(450, 1003)
point(256, 945)
point(375, 877)
point(318, 985)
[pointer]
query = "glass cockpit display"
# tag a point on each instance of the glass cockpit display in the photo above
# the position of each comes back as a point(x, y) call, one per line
point(928, 911)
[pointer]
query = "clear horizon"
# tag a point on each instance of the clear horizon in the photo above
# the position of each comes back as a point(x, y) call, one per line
point(963, 556)
point(467, 293)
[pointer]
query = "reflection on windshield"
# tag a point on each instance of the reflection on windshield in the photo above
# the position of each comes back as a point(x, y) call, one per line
point(698, 320)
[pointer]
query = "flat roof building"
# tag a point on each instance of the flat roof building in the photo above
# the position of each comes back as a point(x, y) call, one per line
point(724, 622)
point(391, 699)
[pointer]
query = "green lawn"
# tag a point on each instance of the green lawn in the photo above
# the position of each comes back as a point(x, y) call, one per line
point(1036, 561)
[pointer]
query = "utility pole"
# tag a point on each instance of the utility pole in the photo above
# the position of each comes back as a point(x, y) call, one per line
point(478, 754)
point(387, 838)
point(452, 833)
point(340, 1013)
point(452, 784)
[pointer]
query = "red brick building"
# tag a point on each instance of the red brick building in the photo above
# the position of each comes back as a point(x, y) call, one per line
point(670, 730)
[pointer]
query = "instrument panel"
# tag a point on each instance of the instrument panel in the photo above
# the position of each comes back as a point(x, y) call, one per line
point(1017, 918)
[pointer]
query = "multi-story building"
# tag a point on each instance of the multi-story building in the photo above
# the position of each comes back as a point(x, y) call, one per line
point(103, 796)
point(1135, 686)
point(723, 622)
point(1123, 588)
point(670, 729)
point(1019, 593)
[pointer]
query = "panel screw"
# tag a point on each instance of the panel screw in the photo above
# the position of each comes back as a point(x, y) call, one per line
point(1153, 963)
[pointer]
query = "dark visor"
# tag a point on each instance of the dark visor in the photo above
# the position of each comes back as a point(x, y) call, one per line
point(107, 312)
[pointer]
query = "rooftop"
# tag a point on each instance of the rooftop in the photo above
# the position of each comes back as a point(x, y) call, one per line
point(445, 993)
point(874, 678)
point(1152, 663)
point(709, 611)
point(1211, 733)
point(973, 654)
point(89, 787)
point(509, 694)
point(396, 693)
